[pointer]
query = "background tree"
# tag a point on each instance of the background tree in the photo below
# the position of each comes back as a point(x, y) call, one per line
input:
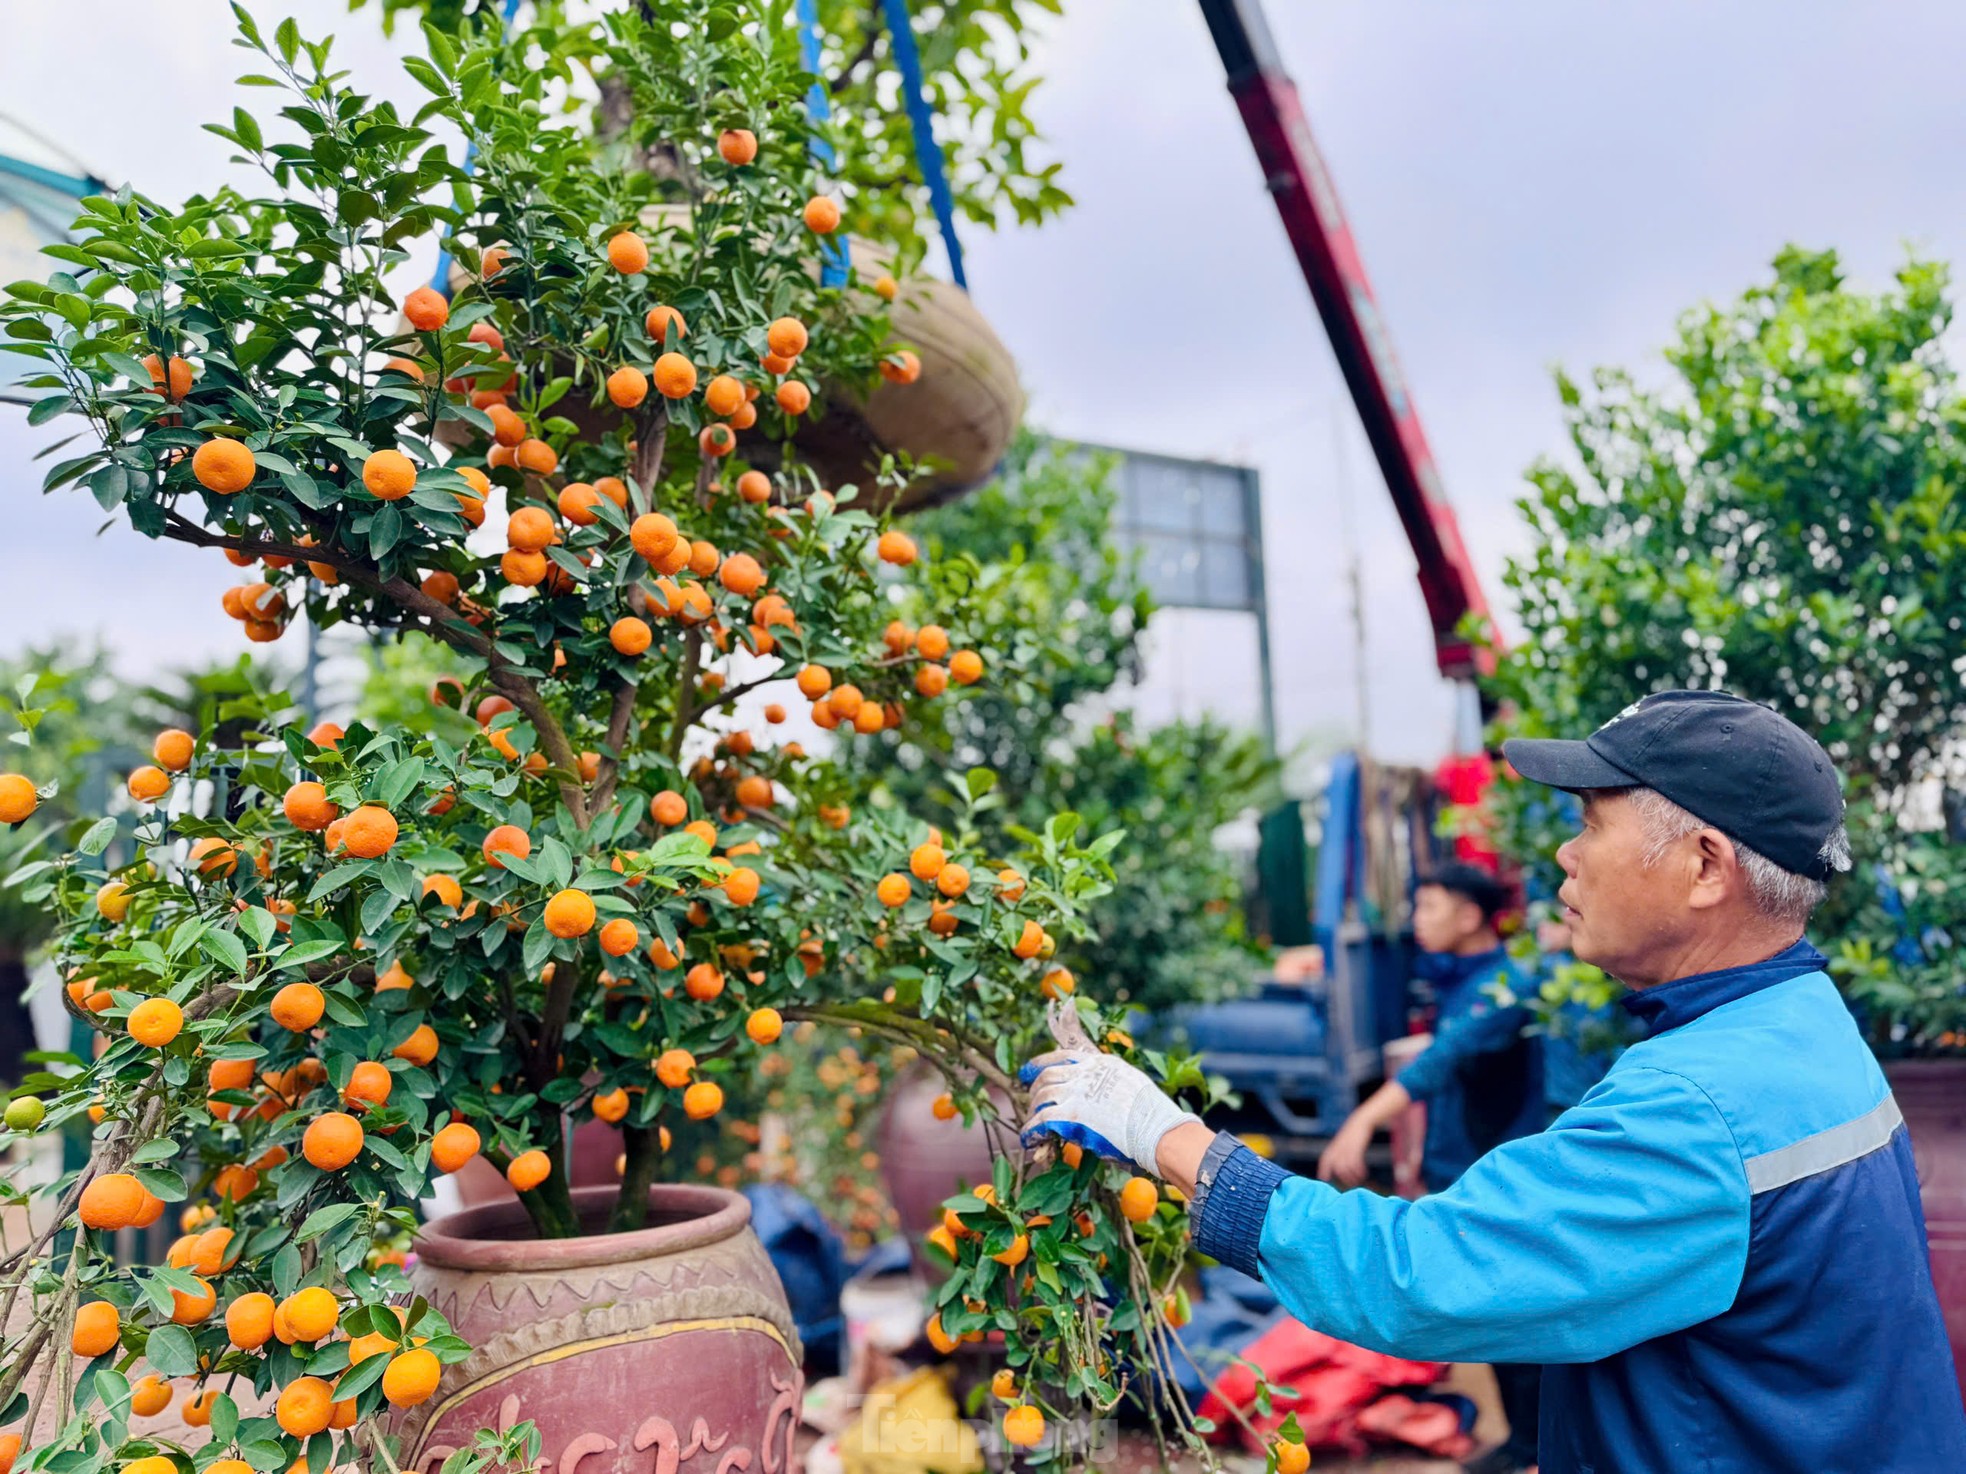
point(1780, 514)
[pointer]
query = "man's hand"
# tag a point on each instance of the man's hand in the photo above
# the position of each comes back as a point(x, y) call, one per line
point(1097, 1100)
point(1343, 1161)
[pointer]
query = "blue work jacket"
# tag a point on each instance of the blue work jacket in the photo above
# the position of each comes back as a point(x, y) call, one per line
point(1482, 1076)
point(1718, 1255)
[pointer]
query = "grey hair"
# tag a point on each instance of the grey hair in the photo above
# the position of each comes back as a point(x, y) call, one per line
point(1778, 894)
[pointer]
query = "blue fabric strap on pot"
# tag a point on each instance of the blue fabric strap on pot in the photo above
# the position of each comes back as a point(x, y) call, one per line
point(442, 280)
point(832, 259)
point(921, 122)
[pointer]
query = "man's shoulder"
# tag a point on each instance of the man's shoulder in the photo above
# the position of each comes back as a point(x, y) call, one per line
point(1779, 1065)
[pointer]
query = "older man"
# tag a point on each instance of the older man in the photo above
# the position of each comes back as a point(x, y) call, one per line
point(1718, 1254)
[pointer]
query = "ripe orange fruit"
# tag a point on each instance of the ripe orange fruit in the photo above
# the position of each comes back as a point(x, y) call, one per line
point(310, 1313)
point(506, 839)
point(508, 428)
point(18, 798)
point(1138, 1199)
point(653, 536)
point(675, 376)
point(98, 1329)
point(223, 466)
point(389, 475)
point(111, 1201)
point(943, 1108)
point(611, 1105)
point(896, 547)
point(716, 440)
point(741, 574)
point(787, 337)
point(193, 1308)
point(704, 830)
point(660, 319)
point(523, 570)
point(628, 386)
point(1029, 940)
point(741, 886)
point(953, 881)
point(570, 913)
point(173, 749)
point(445, 888)
point(764, 1026)
point(148, 784)
point(577, 503)
point(932, 641)
point(901, 367)
point(537, 457)
point(150, 1396)
point(628, 253)
point(869, 719)
point(305, 1407)
point(886, 288)
point(155, 1022)
point(371, 831)
point(332, 1141)
point(620, 937)
point(754, 486)
point(179, 373)
point(1023, 1427)
point(113, 900)
point(411, 1377)
point(737, 146)
point(1020, 1248)
point(427, 309)
point(821, 215)
point(1292, 1456)
point(704, 982)
point(249, 1320)
point(771, 363)
point(774, 713)
point(629, 635)
point(1073, 1154)
point(845, 702)
point(703, 1100)
point(1058, 982)
point(704, 558)
point(298, 1007)
point(927, 860)
point(668, 808)
point(213, 856)
point(755, 791)
point(893, 890)
point(528, 1170)
point(530, 529)
point(673, 1067)
point(723, 395)
point(453, 1146)
point(1003, 1385)
point(793, 397)
point(441, 586)
point(419, 1049)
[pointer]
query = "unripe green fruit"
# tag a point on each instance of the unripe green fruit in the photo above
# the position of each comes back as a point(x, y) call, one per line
point(25, 1113)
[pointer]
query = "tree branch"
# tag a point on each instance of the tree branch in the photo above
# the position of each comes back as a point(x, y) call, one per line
point(651, 432)
point(619, 718)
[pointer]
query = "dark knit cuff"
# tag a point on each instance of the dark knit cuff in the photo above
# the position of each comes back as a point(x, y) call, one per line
point(1229, 1224)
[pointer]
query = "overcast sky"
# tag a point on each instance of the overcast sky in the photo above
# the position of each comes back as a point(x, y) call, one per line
point(1531, 182)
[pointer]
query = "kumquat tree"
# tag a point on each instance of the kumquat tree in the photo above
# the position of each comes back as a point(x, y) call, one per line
point(324, 965)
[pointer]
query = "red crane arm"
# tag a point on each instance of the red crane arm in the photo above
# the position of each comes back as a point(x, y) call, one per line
point(1295, 175)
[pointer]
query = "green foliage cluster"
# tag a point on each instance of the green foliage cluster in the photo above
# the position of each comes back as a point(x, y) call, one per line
point(1780, 516)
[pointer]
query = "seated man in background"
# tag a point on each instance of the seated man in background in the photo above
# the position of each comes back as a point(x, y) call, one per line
point(1481, 1079)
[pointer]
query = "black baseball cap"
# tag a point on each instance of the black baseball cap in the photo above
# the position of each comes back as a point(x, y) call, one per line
point(1739, 766)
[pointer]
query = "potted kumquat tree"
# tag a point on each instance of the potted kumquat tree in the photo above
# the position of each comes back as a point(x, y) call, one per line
point(332, 964)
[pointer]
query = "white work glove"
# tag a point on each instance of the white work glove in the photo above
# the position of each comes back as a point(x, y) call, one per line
point(1097, 1100)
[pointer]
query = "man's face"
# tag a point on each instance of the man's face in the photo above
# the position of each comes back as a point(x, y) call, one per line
point(1444, 920)
point(1620, 914)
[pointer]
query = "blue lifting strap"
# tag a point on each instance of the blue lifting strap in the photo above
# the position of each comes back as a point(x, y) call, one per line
point(832, 259)
point(442, 280)
point(921, 122)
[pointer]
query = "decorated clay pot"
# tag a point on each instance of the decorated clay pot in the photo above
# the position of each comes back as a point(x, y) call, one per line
point(924, 1160)
point(667, 1349)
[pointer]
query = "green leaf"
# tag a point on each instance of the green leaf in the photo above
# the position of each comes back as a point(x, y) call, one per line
point(171, 1352)
point(164, 1182)
point(225, 948)
point(247, 130)
point(99, 835)
point(360, 1378)
point(322, 1219)
point(398, 781)
point(258, 923)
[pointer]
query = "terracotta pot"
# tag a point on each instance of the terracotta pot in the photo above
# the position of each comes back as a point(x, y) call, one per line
point(1932, 1095)
point(672, 1344)
point(924, 1160)
point(960, 414)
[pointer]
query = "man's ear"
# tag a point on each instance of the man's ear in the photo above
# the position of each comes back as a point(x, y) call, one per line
point(1716, 870)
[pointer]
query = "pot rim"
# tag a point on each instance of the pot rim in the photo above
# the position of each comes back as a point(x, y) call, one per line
point(472, 1238)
